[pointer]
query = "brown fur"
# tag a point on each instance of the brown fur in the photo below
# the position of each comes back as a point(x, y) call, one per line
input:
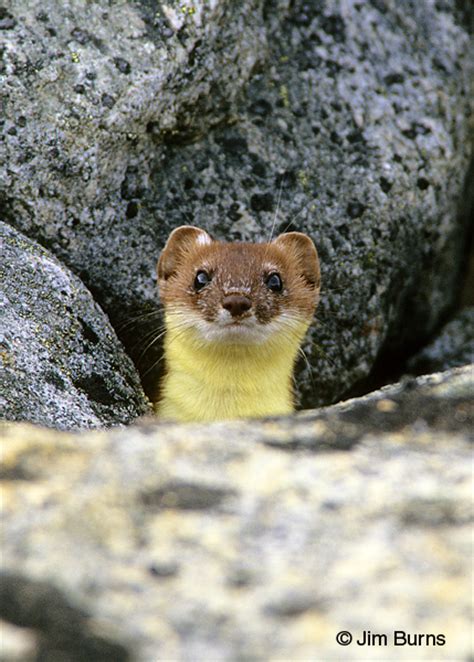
point(240, 268)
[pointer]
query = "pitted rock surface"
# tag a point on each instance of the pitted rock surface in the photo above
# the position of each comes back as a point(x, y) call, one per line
point(348, 120)
point(62, 364)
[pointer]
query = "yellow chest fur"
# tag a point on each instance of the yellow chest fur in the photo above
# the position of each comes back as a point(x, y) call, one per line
point(214, 381)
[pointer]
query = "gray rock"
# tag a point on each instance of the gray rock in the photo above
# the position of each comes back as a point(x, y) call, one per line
point(355, 116)
point(453, 346)
point(245, 540)
point(61, 363)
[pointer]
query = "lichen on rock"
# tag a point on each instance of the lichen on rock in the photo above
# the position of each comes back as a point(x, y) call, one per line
point(358, 114)
point(248, 539)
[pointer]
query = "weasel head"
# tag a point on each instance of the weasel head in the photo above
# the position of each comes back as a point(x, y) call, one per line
point(238, 293)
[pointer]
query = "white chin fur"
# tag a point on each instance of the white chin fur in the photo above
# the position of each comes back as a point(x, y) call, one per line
point(225, 330)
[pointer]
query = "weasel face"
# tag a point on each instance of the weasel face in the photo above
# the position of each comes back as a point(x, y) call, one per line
point(238, 293)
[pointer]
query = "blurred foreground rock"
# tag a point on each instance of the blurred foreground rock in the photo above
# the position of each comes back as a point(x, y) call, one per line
point(242, 541)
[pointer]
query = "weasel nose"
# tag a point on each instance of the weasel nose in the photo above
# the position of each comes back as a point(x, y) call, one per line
point(236, 304)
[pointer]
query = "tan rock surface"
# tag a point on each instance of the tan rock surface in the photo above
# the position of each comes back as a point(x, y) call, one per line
point(251, 540)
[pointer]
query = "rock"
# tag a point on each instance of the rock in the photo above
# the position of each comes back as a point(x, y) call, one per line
point(453, 346)
point(245, 540)
point(61, 363)
point(350, 123)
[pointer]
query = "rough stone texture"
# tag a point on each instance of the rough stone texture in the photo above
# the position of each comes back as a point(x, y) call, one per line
point(245, 541)
point(61, 363)
point(453, 346)
point(357, 113)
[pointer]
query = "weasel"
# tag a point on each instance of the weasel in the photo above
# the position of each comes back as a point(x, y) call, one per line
point(235, 316)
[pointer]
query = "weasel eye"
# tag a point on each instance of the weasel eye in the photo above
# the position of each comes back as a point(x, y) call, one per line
point(202, 279)
point(273, 282)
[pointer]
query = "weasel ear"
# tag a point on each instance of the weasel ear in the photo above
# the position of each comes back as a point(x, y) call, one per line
point(304, 250)
point(180, 242)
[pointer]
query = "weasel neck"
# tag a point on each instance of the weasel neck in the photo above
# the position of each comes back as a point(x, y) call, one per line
point(209, 381)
